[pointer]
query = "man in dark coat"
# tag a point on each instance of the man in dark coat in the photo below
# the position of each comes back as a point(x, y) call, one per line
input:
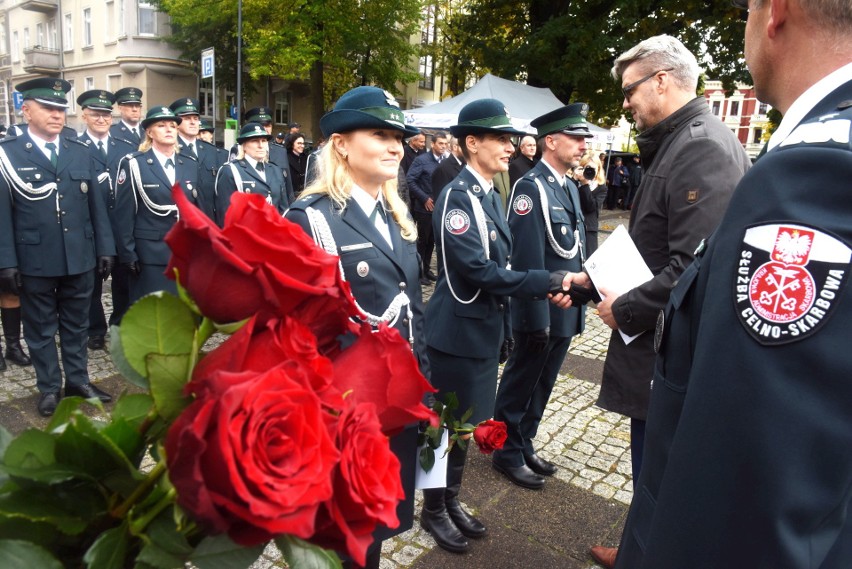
point(449, 168)
point(419, 182)
point(106, 151)
point(414, 147)
point(693, 162)
point(129, 101)
point(747, 453)
point(54, 237)
point(548, 233)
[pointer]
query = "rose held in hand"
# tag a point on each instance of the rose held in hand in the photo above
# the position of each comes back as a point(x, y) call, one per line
point(253, 456)
point(490, 435)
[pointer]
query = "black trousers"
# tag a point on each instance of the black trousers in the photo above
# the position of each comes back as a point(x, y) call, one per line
point(51, 303)
point(524, 391)
point(425, 239)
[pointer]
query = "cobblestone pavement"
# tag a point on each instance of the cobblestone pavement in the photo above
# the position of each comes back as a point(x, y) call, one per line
point(590, 446)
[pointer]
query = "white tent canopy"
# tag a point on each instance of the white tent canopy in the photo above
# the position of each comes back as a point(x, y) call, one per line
point(523, 102)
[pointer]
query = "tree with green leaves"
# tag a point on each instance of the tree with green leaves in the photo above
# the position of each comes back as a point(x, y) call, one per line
point(335, 44)
point(570, 46)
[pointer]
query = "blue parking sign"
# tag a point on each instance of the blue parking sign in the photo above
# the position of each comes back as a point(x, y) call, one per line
point(18, 99)
point(207, 64)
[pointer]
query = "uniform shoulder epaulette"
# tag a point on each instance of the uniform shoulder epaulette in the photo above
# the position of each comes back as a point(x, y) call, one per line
point(307, 201)
point(134, 154)
point(76, 140)
point(459, 184)
point(833, 129)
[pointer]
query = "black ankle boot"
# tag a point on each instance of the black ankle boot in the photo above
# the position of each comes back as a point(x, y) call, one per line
point(435, 520)
point(12, 331)
point(467, 524)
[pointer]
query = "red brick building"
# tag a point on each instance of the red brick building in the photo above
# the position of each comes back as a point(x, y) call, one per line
point(741, 112)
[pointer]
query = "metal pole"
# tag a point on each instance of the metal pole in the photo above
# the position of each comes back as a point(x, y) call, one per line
point(239, 97)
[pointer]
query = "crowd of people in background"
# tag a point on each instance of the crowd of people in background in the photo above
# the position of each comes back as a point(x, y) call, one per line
point(511, 219)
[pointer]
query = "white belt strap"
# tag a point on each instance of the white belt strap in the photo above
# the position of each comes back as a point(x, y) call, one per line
point(324, 238)
point(545, 208)
point(482, 226)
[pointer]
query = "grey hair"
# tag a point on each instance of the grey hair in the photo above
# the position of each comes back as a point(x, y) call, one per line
point(658, 53)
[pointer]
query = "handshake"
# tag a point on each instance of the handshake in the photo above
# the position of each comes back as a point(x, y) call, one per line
point(578, 294)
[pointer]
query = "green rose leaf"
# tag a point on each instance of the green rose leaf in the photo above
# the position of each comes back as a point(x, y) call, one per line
point(156, 324)
point(133, 408)
point(40, 507)
point(109, 550)
point(427, 458)
point(32, 449)
point(85, 446)
point(303, 555)
point(25, 555)
point(168, 376)
point(165, 546)
point(219, 552)
point(120, 360)
point(5, 438)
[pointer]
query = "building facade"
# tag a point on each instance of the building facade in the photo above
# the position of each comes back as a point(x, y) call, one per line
point(741, 112)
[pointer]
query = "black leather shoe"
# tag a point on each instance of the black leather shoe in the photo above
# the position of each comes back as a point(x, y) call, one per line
point(16, 354)
point(539, 465)
point(521, 475)
point(431, 276)
point(441, 528)
point(96, 343)
point(87, 391)
point(47, 403)
point(425, 282)
point(467, 524)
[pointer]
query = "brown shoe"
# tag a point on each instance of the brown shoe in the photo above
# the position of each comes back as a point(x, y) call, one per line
point(604, 556)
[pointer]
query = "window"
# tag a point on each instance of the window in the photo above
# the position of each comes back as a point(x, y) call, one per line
point(758, 135)
point(282, 108)
point(734, 109)
point(68, 33)
point(26, 38)
point(89, 83)
point(427, 42)
point(72, 99)
point(109, 21)
point(147, 19)
point(122, 28)
point(40, 37)
point(3, 40)
point(51, 34)
point(16, 48)
point(205, 99)
point(717, 107)
point(762, 109)
point(87, 27)
point(113, 83)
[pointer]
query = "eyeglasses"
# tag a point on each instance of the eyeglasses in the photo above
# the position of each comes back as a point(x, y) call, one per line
point(100, 117)
point(628, 89)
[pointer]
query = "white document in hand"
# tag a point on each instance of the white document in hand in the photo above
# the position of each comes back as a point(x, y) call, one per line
point(618, 267)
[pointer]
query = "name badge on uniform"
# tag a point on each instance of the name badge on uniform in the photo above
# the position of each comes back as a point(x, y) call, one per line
point(355, 247)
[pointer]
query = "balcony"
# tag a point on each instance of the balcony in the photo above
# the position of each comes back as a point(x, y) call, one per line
point(43, 6)
point(41, 60)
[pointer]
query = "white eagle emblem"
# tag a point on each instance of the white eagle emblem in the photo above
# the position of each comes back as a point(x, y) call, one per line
point(792, 247)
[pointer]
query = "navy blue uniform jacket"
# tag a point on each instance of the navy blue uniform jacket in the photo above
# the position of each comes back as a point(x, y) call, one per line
point(273, 188)
point(748, 450)
point(533, 249)
point(64, 232)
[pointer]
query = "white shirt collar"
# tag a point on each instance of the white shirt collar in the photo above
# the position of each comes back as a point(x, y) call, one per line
point(365, 200)
point(95, 138)
point(40, 142)
point(162, 158)
point(560, 178)
point(137, 128)
point(486, 186)
point(807, 100)
point(252, 162)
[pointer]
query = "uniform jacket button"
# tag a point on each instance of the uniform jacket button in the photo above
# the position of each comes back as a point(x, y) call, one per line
point(402, 287)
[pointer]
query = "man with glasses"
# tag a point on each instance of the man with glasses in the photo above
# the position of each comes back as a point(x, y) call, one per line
point(106, 151)
point(55, 240)
point(692, 163)
point(749, 432)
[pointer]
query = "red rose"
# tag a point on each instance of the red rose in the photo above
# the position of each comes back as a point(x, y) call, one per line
point(490, 435)
point(367, 486)
point(262, 345)
point(380, 368)
point(259, 262)
point(253, 456)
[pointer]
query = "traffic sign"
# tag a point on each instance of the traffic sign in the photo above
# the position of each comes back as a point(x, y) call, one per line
point(18, 98)
point(207, 64)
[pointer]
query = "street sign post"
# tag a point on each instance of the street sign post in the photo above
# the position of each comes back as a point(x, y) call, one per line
point(208, 71)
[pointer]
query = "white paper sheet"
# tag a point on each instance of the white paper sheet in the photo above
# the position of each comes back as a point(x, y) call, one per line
point(437, 477)
point(618, 267)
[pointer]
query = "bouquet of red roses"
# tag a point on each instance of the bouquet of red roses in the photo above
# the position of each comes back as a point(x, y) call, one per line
point(279, 433)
